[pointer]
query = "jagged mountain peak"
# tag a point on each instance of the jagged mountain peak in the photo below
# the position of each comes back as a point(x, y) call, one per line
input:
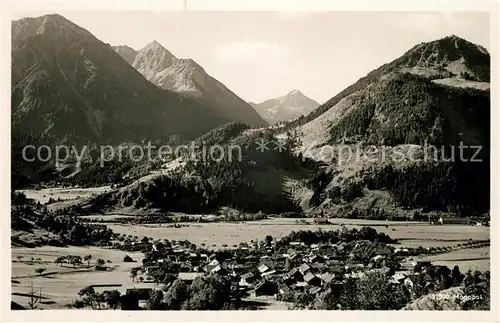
point(162, 68)
point(152, 59)
point(458, 44)
point(48, 18)
point(155, 48)
point(154, 45)
point(294, 95)
point(183, 75)
point(42, 23)
point(156, 51)
point(464, 42)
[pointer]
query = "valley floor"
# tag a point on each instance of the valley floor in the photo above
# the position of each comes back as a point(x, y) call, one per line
point(60, 284)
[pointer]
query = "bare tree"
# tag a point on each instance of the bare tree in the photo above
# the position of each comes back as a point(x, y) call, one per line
point(34, 298)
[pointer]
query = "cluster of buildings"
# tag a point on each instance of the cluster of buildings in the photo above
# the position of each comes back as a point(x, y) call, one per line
point(283, 271)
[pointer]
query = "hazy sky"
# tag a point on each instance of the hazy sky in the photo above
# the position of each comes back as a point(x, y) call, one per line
point(261, 55)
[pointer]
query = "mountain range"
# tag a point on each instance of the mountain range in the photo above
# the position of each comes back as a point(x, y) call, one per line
point(185, 76)
point(435, 95)
point(285, 108)
point(70, 87)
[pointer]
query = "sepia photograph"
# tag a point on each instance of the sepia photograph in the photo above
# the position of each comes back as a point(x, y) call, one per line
point(250, 160)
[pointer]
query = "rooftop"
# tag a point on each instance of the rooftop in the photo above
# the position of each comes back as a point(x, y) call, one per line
point(189, 276)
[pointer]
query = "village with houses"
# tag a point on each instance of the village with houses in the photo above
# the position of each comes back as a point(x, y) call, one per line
point(303, 263)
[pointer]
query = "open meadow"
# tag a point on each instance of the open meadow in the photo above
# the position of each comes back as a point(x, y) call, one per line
point(471, 258)
point(60, 284)
point(409, 234)
point(63, 194)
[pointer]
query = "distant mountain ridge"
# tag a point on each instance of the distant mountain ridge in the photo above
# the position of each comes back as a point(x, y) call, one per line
point(290, 106)
point(185, 76)
point(126, 52)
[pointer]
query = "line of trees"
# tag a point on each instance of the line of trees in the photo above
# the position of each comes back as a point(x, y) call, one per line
point(77, 261)
point(335, 236)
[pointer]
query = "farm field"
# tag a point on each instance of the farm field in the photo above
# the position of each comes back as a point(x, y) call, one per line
point(61, 285)
point(411, 234)
point(472, 258)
